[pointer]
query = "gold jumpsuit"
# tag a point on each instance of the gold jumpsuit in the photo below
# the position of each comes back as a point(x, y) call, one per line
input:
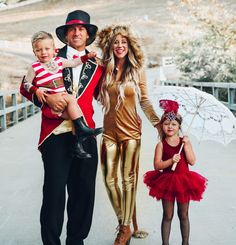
point(121, 144)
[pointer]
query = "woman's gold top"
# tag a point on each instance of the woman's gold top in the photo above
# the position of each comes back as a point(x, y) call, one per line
point(124, 123)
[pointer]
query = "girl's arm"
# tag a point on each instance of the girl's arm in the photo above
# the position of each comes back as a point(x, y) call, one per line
point(190, 156)
point(77, 61)
point(158, 163)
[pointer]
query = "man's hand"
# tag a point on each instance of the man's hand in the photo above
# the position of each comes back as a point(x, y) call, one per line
point(56, 102)
point(41, 95)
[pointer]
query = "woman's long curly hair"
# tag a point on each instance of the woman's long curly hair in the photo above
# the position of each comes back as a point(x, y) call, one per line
point(133, 64)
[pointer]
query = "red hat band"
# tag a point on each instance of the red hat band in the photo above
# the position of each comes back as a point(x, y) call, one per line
point(71, 22)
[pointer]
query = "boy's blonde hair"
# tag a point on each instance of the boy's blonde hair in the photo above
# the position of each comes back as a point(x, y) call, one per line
point(41, 35)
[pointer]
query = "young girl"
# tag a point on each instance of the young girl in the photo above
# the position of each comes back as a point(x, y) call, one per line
point(180, 185)
point(45, 77)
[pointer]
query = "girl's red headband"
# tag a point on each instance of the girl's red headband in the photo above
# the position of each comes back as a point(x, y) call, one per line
point(170, 108)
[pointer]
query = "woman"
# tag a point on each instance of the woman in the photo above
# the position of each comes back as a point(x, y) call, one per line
point(123, 83)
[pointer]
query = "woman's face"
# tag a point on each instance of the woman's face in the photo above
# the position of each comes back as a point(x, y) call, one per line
point(120, 47)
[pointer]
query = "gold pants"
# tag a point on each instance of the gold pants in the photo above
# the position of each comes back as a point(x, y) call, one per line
point(127, 154)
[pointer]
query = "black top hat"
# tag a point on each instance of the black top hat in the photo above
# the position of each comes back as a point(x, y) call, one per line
point(78, 17)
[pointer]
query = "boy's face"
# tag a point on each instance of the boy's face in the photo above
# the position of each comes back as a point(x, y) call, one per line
point(170, 127)
point(44, 50)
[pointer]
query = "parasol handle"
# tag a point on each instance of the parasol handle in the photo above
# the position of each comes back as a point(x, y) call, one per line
point(181, 148)
point(175, 163)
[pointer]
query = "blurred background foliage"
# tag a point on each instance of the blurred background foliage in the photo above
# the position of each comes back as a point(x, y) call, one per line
point(205, 49)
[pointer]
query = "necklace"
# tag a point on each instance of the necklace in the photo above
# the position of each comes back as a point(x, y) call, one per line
point(51, 66)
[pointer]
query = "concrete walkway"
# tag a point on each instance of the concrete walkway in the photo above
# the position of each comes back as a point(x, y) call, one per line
point(213, 220)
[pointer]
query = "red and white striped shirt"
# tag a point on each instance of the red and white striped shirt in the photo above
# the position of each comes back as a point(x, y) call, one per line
point(44, 77)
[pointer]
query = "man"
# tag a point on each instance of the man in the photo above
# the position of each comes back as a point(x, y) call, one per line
point(61, 170)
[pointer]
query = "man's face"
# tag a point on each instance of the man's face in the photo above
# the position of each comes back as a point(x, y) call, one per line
point(77, 36)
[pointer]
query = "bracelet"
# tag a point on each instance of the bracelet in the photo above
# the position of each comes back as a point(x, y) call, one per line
point(84, 58)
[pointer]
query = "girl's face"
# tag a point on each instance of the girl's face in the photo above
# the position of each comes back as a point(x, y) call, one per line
point(44, 50)
point(120, 46)
point(170, 128)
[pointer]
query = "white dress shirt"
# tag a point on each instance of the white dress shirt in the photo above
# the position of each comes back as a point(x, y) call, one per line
point(76, 70)
point(66, 125)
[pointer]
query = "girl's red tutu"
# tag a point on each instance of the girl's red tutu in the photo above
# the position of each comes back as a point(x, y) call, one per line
point(178, 186)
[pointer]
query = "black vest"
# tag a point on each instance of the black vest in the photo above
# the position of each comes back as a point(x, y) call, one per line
point(85, 75)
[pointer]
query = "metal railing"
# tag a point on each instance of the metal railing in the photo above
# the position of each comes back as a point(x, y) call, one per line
point(168, 74)
point(224, 92)
point(14, 108)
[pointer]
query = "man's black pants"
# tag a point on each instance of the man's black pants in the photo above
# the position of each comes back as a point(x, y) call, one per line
point(78, 176)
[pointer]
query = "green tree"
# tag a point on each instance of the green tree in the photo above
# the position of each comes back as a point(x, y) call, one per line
point(206, 47)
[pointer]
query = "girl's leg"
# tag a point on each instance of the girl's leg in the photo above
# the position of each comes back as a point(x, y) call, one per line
point(184, 222)
point(168, 212)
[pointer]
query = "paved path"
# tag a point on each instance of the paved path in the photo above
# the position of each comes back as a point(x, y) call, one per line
point(213, 221)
